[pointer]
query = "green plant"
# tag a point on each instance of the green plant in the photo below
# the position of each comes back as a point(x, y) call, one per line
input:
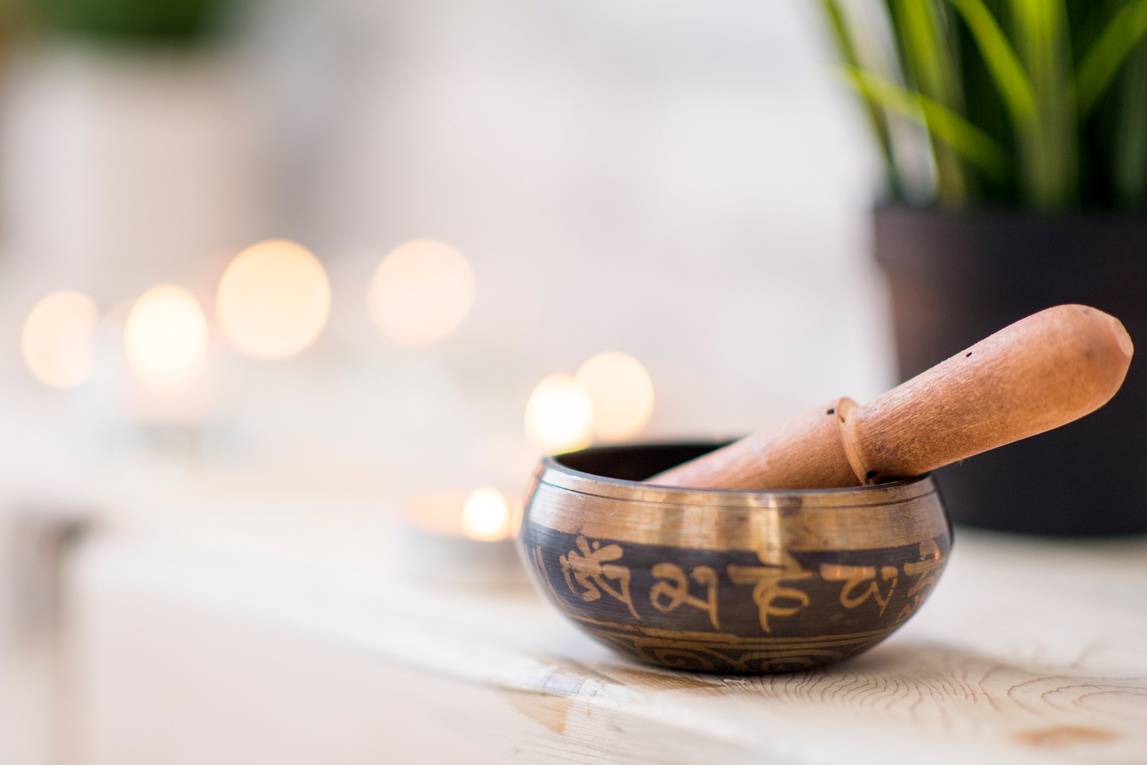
point(1038, 104)
point(140, 21)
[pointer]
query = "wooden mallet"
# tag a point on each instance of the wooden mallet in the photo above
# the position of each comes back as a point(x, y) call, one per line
point(1037, 374)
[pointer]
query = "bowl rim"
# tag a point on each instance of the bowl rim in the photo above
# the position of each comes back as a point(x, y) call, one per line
point(552, 472)
point(768, 523)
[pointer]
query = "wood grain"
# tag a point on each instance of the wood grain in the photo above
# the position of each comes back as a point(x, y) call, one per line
point(1037, 374)
point(1030, 652)
point(806, 453)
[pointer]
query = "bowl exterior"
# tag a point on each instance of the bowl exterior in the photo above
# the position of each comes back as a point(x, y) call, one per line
point(727, 581)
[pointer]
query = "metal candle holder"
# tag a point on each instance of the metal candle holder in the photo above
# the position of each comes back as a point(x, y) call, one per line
point(436, 548)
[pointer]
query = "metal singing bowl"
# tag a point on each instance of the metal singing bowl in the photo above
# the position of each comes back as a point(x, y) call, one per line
point(725, 580)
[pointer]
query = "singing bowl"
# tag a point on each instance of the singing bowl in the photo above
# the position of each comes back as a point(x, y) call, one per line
point(726, 580)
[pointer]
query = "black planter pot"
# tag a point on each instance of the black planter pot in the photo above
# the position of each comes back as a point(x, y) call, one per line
point(957, 278)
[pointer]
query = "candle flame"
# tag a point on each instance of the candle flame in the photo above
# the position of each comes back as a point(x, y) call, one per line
point(57, 341)
point(622, 394)
point(165, 336)
point(486, 516)
point(421, 292)
point(273, 300)
point(559, 415)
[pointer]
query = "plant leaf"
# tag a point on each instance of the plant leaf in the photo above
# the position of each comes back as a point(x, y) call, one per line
point(1129, 155)
point(1013, 83)
point(926, 55)
point(1049, 155)
point(966, 139)
point(928, 59)
point(1106, 55)
point(844, 41)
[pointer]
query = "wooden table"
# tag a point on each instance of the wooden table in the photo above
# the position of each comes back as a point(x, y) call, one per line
point(187, 647)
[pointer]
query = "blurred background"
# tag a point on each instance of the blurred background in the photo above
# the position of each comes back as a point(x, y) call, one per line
point(271, 270)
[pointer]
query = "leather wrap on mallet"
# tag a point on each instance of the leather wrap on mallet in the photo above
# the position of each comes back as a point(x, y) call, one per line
point(1037, 374)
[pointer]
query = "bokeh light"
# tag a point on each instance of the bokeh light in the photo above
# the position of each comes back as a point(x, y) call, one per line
point(559, 415)
point(165, 336)
point(58, 339)
point(486, 515)
point(421, 292)
point(273, 300)
point(622, 394)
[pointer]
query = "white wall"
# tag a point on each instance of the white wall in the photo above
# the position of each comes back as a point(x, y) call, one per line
point(682, 181)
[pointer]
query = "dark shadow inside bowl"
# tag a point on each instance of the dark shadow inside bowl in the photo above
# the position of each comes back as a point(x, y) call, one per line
point(634, 462)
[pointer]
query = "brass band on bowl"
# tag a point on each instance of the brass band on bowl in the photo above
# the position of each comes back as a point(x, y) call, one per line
point(560, 476)
point(903, 513)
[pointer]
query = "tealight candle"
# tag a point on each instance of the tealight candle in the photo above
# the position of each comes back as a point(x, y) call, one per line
point(462, 539)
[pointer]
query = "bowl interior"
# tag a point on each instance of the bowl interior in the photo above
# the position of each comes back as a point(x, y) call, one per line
point(634, 462)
